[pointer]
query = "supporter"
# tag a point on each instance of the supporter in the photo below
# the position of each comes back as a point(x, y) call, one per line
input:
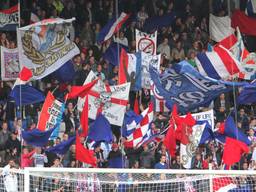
point(197, 162)
point(162, 163)
point(26, 158)
point(39, 158)
point(164, 48)
point(243, 119)
point(13, 145)
point(115, 157)
point(146, 158)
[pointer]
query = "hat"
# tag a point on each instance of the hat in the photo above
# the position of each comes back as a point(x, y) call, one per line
point(114, 145)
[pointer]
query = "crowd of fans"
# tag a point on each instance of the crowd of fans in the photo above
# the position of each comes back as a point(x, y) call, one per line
point(187, 36)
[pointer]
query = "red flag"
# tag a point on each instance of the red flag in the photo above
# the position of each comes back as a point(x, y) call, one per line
point(84, 155)
point(25, 74)
point(228, 42)
point(245, 23)
point(170, 138)
point(136, 107)
point(84, 118)
point(233, 150)
point(45, 115)
point(80, 91)
point(122, 66)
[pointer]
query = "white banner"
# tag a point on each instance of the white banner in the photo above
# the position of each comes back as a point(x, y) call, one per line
point(9, 64)
point(146, 61)
point(146, 42)
point(111, 101)
point(205, 116)
point(44, 46)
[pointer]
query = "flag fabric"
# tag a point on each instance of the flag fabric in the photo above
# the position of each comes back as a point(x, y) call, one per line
point(146, 42)
point(170, 139)
point(51, 113)
point(219, 27)
point(142, 131)
point(159, 101)
point(158, 22)
point(34, 18)
point(9, 64)
point(234, 147)
point(24, 76)
point(112, 27)
point(63, 147)
point(26, 95)
point(111, 101)
point(84, 121)
point(65, 73)
point(81, 91)
point(113, 53)
point(243, 22)
point(218, 64)
point(223, 184)
point(100, 130)
point(229, 129)
point(131, 120)
point(36, 137)
point(130, 69)
point(44, 46)
point(187, 88)
point(83, 154)
point(248, 94)
point(148, 61)
point(250, 9)
point(9, 18)
point(136, 106)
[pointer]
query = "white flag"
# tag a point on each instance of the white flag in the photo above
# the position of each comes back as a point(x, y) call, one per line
point(146, 42)
point(220, 27)
point(44, 46)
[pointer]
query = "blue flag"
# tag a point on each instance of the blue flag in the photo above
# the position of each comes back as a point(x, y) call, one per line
point(63, 147)
point(232, 131)
point(113, 52)
point(26, 95)
point(131, 120)
point(55, 133)
point(248, 94)
point(207, 132)
point(100, 130)
point(157, 22)
point(65, 73)
point(184, 86)
point(36, 137)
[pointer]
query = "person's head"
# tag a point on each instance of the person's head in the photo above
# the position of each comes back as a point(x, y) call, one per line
point(198, 157)
point(57, 141)
point(38, 150)
point(25, 150)
point(91, 60)
point(163, 159)
point(99, 68)
point(165, 41)
point(97, 148)
point(145, 147)
point(115, 147)
point(12, 163)
point(14, 135)
point(19, 122)
point(56, 162)
point(65, 137)
point(245, 166)
point(241, 111)
point(251, 132)
point(222, 96)
point(135, 165)
point(70, 106)
point(5, 126)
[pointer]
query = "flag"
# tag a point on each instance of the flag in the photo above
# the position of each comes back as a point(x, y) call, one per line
point(84, 121)
point(65, 73)
point(113, 53)
point(131, 120)
point(80, 91)
point(142, 131)
point(223, 184)
point(218, 64)
point(136, 106)
point(26, 95)
point(248, 94)
point(228, 42)
point(187, 88)
point(170, 139)
point(63, 147)
point(112, 27)
point(244, 23)
point(100, 130)
point(37, 138)
point(9, 64)
point(158, 100)
point(230, 129)
point(250, 9)
point(9, 18)
point(51, 113)
point(233, 150)
point(44, 46)
point(34, 18)
point(130, 70)
point(111, 101)
point(146, 42)
point(84, 155)
point(158, 22)
point(219, 27)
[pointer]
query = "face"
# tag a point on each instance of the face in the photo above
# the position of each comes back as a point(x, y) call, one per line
point(251, 132)
point(163, 159)
point(4, 126)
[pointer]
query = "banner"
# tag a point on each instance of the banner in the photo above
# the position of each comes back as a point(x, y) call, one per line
point(9, 18)
point(9, 64)
point(44, 46)
point(148, 60)
point(111, 101)
point(146, 42)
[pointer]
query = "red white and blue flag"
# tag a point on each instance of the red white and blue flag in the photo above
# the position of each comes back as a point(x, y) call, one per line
point(112, 27)
point(9, 18)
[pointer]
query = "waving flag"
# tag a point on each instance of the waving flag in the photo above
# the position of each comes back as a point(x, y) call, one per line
point(100, 130)
point(219, 27)
point(142, 131)
point(9, 18)
point(113, 52)
point(248, 94)
point(63, 147)
point(65, 73)
point(36, 137)
point(44, 46)
point(84, 121)
point(112, 27)
point(170, 139)
point(131, 120)
point(111, 101)
point(186, 87)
